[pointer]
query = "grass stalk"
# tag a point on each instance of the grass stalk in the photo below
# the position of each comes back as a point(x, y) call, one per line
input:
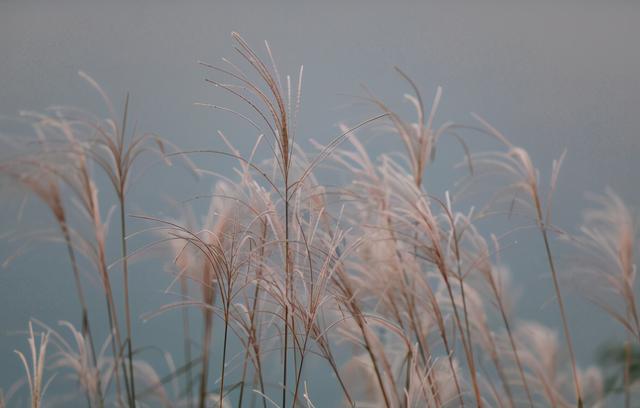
point(186, 329)
point(556, 288)
point(224, 348)
point(127, 306)
point(86, 328)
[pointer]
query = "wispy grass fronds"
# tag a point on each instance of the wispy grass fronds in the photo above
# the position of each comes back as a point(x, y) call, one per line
point(76, 355)
point(517, 163)
point(35, 371)
point(375, 284)
point(608, 242)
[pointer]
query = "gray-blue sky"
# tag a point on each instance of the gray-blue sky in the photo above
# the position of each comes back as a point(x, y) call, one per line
point(548, 75)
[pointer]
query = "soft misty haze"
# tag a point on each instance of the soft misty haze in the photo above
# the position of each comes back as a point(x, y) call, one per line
point(549, 76)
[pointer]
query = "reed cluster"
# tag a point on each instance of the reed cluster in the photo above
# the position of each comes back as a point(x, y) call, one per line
point(388, 292)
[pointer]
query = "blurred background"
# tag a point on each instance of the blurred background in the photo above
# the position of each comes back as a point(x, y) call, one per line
point(549, 75)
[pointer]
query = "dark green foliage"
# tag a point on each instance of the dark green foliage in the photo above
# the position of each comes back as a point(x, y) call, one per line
point(612, 358)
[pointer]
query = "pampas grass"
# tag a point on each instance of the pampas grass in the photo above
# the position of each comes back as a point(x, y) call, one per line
point(378, 286)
